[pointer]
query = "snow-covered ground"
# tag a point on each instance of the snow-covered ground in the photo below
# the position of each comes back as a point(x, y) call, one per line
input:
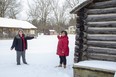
point(41, 56)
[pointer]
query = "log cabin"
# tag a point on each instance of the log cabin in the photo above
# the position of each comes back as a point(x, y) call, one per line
point(95, 30)
point(95, 38)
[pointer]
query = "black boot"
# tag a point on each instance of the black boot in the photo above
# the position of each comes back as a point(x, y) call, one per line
point(18, 64)
point(25, 62)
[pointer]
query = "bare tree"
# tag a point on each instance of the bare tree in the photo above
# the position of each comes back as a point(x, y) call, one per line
point(39, 10)
point(44, 11)
point(14, 9)
point(2, 8)
point(59, 12)
point(9, 8)
point(72, 3)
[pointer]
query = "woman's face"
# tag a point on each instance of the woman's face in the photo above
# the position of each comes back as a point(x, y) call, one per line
point(63, 34)
point(20, 33)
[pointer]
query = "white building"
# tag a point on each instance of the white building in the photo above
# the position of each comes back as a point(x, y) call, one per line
point(53, 32)
point(71, 29)
point(9, 27)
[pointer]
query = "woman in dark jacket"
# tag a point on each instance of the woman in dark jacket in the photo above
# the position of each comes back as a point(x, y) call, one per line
point(62, 48)
point(20, 45)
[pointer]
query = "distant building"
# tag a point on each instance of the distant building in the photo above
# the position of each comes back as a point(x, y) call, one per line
point(9, 27)
point(46, 32)
point(53, 32)
point(71, 29)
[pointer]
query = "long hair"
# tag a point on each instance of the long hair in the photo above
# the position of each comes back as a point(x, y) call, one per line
point(21, 31)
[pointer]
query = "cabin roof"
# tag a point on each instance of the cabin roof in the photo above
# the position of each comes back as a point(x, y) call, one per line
point(80, 5)
point(13, 23)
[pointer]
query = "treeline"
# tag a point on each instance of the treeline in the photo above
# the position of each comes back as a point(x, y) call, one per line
point(44, 14)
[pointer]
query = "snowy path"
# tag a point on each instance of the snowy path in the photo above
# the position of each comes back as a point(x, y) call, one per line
point(41, 56)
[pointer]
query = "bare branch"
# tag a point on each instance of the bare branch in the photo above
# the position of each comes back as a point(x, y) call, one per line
point(72, 3)
point(9, 8)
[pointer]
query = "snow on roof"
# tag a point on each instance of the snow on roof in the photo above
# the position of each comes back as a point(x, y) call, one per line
point(108, 65)
point(80, 5)
point(71, 26)
point(13, 23)
point(51, 30)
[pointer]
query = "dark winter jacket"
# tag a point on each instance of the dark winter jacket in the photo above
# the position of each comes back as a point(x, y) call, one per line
point(62, 47)
point(18, 43)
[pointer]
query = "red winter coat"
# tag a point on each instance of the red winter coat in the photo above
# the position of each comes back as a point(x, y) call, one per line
point(62, 47)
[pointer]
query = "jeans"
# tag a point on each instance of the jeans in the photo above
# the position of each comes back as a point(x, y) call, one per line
point(19, 54)
point(62, 60)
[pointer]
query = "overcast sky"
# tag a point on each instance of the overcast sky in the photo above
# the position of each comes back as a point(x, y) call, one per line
point(23, 15)
point(24, 3)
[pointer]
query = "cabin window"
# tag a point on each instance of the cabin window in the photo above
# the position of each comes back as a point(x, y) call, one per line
point(32, 31)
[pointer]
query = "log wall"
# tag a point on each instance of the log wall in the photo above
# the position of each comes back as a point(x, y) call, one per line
point(96, 31)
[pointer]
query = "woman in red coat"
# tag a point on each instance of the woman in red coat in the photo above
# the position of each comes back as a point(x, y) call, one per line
point(62, 48)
